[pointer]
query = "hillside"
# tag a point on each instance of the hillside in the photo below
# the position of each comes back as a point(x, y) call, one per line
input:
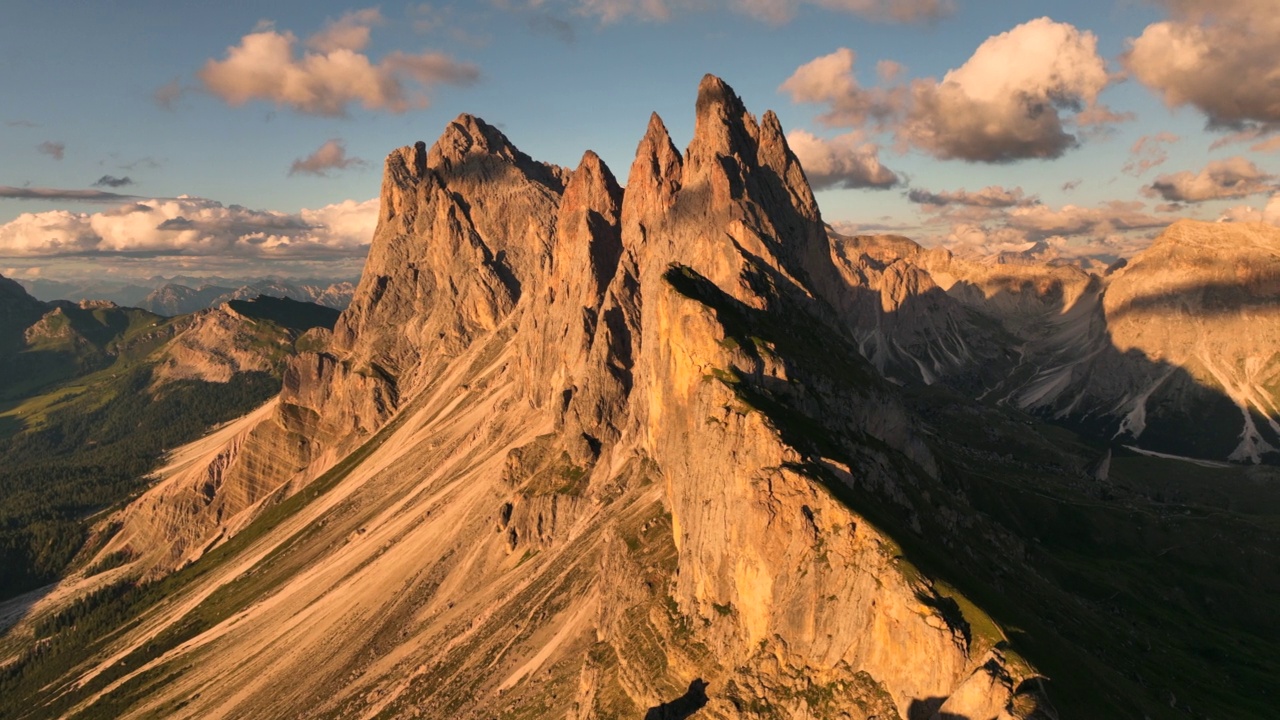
point(96, 394)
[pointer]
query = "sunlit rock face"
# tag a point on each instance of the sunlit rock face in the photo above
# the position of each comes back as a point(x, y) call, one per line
point(603, 442)
point(1173, 351)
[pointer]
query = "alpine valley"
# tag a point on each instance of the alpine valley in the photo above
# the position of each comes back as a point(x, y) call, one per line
point(677, 450)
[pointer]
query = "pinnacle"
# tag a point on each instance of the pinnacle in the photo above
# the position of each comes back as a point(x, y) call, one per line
point(592, 172)
point(770, 124)
point(715, 93)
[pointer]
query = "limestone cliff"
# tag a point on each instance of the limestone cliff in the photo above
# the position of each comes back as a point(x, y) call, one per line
point(572, 451)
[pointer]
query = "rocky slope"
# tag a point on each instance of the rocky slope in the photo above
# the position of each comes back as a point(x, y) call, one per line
point(599, 442)
point(1178, 341)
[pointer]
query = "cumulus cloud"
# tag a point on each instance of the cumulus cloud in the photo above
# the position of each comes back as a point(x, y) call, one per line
point(350, 32)
point(1269, 213)
point(1087, 235)
point(889, 70)
point(1219, 56)
point(1040, 221)
point(847, 161)
point(992, 196)
point(113, 181)
point(1234, 177)
point(1012, 100)
point(193, 227)
point(55, 150)
point(829, 80)
point(1148, 152)
point(1007, 101)
point(331, 73)
point(60, 195)
point(330, 156)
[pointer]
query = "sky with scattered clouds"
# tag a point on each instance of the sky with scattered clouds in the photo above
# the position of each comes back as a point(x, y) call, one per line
point(147, 138)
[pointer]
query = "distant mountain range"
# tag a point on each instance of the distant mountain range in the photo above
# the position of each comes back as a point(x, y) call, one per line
point(183, 294)
point(1174, 350)
point(93, 394)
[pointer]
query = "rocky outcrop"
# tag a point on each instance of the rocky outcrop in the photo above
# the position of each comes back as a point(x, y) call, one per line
point(1155, 351)
point(607, 449)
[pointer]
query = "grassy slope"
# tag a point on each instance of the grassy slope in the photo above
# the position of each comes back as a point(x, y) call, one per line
point(81, 426)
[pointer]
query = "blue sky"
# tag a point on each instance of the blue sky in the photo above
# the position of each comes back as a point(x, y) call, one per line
point(114, 90)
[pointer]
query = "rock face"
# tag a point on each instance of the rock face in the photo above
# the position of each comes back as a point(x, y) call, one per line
point(1174, 351)
point(599, 452)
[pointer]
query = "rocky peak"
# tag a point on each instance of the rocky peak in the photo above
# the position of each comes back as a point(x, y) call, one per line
point(655, 174)
point(588, 236)
point(722, 126)
point(775, 154)
point(469, 135)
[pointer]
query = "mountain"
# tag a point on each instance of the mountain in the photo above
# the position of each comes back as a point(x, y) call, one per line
point(174, 299)
point(181, 294)
point(1174, 351)
point(576, 450)
point(95, 394)
point(124, 293)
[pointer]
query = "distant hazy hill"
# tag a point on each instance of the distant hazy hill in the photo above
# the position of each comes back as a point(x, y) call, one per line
point(184, 294)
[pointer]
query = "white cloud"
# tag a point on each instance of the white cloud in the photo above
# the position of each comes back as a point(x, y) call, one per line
point(350, 32)
point(196, 227)
point(1270, 213)
point(1040, 221)
point(847, 161)
point(330, 76)
point(1148, 152)
point(992, 196)
point(332, 155)
point(829, 80)
point(1013, 99)
point(1217, 55)
point(1100, 233)
point(1234, 177)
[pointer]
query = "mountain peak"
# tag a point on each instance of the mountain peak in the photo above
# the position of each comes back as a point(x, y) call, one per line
point(655, 173)
point(722, 126)
point(714, 92)
point(469, 135)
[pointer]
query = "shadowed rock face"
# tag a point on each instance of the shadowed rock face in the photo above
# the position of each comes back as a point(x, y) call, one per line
point(1175, 351)
point(612, 430)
